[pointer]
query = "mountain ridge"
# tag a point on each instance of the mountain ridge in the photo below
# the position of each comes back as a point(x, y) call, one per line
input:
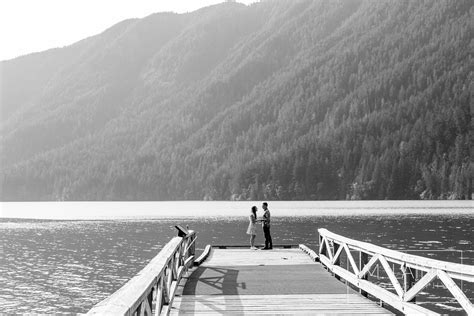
point(277, 100)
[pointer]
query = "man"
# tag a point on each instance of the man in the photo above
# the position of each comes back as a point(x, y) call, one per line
point(266, 227)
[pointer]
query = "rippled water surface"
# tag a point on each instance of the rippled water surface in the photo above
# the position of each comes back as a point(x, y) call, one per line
point(60, 265)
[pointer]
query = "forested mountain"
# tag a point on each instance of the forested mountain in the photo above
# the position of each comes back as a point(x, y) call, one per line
point(302, 99)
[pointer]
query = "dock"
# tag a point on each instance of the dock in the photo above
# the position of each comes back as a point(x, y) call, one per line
point(289, 279)
point(279, 281)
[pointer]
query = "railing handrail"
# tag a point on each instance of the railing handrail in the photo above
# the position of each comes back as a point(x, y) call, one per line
point(332, 246)
point(151, 281)
point(457, 270)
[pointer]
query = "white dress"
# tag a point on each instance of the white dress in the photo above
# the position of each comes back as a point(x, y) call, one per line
point(252, 230)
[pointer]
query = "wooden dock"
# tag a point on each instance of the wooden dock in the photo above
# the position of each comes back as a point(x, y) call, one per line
point(285, 280)
point(279, 281)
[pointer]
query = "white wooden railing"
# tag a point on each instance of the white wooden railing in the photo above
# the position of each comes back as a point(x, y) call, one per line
point(332, 247)
point(152, 290)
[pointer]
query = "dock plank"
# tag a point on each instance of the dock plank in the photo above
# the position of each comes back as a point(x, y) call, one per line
point(244, 257)
point(275, 304)
point(265, 279)
point(280, 281)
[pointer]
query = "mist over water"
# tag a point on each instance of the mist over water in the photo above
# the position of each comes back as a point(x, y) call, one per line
point(158, 210)
point(61, 265)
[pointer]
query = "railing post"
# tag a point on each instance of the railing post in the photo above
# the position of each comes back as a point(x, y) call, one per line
point(192, 250)
point(160, 296)
point(149, 302)
point(321, 245)
point(363, 260)
point(408, 280)
point(337, 262)
point(191, 245)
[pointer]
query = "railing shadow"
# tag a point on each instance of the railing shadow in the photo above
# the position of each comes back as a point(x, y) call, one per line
point(213, 283)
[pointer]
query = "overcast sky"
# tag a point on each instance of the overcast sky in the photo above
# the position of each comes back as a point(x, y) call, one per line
point(28, 26)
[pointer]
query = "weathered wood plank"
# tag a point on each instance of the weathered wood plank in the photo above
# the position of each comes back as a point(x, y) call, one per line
point(280, 312)
point(240, 246)
point(279, 281)
point(267, 279)
point(271, 304)
point(242, 257)
point(263, 305)
point(332, 296)
point(289, 307)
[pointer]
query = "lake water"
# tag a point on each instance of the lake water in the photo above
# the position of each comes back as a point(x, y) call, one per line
point(67, 256)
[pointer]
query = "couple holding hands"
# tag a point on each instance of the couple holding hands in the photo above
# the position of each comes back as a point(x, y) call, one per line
point(252, 230)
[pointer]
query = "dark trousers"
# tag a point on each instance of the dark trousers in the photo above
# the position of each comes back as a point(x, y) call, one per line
point(268, 237)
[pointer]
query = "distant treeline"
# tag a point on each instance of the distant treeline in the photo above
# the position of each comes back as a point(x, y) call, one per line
point(280, 100)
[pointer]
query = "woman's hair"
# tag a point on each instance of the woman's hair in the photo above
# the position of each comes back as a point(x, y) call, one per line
point(254, 211)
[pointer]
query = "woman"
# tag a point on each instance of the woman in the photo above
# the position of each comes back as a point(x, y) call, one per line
point(252, 227)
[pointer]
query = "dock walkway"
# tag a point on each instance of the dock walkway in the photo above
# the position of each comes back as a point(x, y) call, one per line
point(278, 281)
point(236, 280)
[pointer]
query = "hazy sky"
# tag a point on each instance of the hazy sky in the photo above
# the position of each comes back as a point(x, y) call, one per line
point(28, 26)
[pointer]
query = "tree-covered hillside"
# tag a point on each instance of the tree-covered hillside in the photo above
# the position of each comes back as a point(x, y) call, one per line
point(304, 99)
